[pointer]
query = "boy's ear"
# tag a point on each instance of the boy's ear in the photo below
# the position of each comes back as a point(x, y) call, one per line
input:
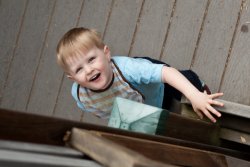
point(69, 76)
point(107, 51)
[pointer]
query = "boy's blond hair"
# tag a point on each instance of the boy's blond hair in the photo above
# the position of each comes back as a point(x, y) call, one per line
point(75, 41)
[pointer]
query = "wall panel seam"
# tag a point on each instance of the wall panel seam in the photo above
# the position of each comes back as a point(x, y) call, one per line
point(200, 34)
point(14, 49)
point(231, 45)
point(168, 30)
point(40, 55)
point(81, 9)
point(108, 18)
point(136, 28)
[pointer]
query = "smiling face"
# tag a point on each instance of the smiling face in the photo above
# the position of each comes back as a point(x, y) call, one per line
point(91, 69)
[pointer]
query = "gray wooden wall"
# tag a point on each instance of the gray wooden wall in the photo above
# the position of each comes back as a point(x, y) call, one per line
point(210, 37)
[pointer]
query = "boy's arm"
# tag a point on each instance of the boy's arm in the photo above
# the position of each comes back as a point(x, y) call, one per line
point(201, 102)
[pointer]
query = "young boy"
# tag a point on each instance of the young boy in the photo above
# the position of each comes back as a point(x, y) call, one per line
point(99, 78)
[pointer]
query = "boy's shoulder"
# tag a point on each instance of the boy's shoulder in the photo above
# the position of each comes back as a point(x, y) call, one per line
point(74, 90)
point(142, 62)
point(137, 68)
point(121, 59)
point(125, 61)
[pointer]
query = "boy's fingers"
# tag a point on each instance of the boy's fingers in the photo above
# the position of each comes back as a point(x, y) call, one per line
point(218, 103)
point(215, 112)
point(214, 102)
point(199, 114)
point(209, 116)
point(215, 95)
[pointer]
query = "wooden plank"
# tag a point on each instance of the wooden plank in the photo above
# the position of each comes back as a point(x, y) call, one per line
point(98, 18)
point(231, 112)
point(66, 106)
point(166, 153)
point(152, 28)
point(215, 41)
point(236, 80)
point(229, 107)
point(236, 109)
point(239, 123)
point(25, 159)
point(11, 13)
point(232, 162)
point(46, 87)
point(183, 33)
point(26, 127)
point(185, 128)
point(39, 148)
point(27, 54)
point(107, 152)
point(235, 136)
point(92, 119)
point(121, 26)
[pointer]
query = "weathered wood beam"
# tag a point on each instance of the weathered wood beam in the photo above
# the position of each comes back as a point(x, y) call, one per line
point(33, 128)
point(107, 152)
point(229, 108)
point(236, 123)
point(39, 148)
point(185, 128)
point(235, 136)
point(234, 109)
point(231, 112)
point(13, 158)
point(169, 153)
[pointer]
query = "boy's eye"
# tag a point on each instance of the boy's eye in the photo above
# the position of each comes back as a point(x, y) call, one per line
point(78, 69)
point(91, 59)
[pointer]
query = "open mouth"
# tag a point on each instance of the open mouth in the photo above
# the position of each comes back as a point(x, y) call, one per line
point(95, 77)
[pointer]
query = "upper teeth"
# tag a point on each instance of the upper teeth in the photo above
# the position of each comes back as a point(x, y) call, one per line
point(92, 78)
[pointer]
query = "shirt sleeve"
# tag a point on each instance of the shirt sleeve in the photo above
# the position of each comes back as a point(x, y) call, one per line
point(74, 94)
point(139, 70)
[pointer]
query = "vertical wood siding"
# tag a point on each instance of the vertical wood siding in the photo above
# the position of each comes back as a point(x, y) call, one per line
point(9, 35)
point(121, 25)
point(209, 36)
point(236, 83)
point(49, 77)
point(215, 41)
point(27, 54)
point(151, 28)
point(183, 33)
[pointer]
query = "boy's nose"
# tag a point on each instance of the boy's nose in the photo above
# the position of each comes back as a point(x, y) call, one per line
point(88, 69)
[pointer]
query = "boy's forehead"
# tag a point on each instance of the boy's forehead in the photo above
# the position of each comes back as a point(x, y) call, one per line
point(74, 57)
point(78, 55)
point(84, 51)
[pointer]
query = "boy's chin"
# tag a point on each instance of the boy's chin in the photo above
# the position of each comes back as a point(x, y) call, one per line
point(99, 88)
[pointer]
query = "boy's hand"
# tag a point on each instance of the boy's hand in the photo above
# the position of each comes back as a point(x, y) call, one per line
point(203, 104)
